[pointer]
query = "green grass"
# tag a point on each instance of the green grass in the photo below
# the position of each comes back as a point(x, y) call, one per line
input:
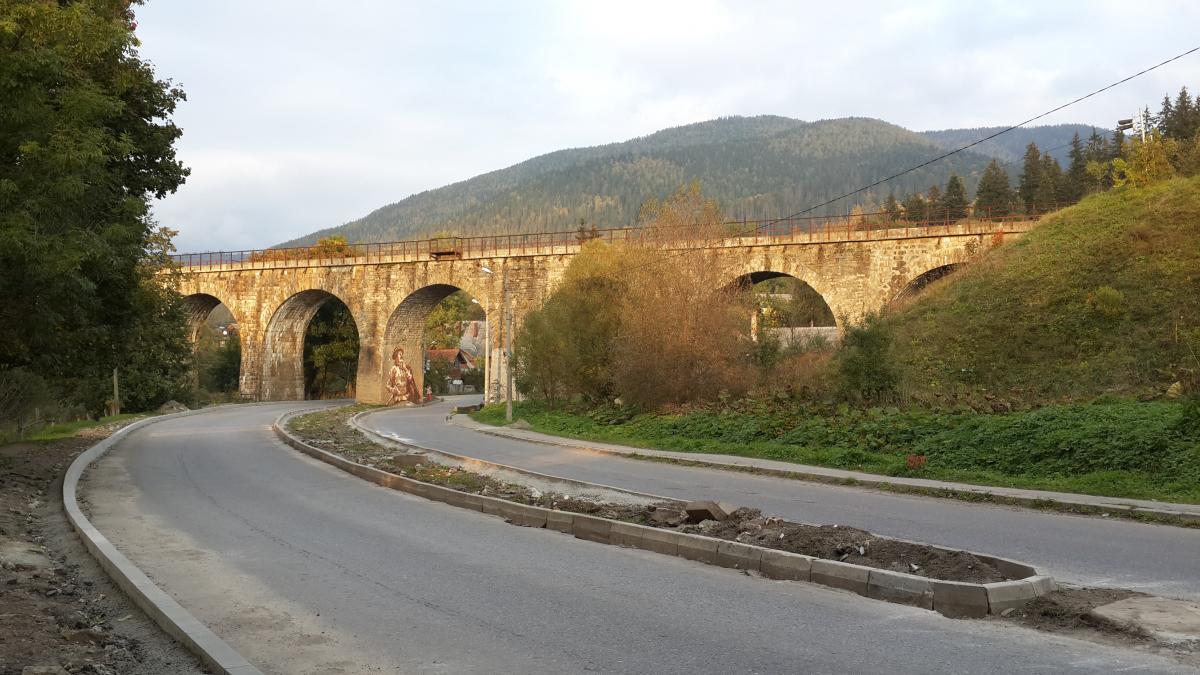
point(55, 432)
point(1139, 450)
point(1101, 299)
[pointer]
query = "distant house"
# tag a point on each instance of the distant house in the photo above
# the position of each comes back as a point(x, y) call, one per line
point(460, 360)
point(473, 333)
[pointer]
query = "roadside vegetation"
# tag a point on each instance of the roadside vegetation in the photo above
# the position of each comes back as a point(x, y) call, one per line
point(86, 141)
point(1068, 360)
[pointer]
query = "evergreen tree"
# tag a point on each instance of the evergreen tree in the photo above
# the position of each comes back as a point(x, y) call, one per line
point(1076, 179)
point(1051, 193)
point(954, 202)
point(1031, 178)
point(1166, 115)
point(915, 208)
point(1097, 148)
point(1186, 120)
point(933, 204)
point(994, 196)
point(891, 208)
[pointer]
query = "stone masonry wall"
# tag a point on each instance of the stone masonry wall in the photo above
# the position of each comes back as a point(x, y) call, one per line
point(390, 300)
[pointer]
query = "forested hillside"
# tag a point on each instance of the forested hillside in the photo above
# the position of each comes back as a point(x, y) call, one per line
point(1009, 148)
point(756, 167)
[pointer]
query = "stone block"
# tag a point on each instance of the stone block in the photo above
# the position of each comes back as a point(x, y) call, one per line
point(785, 565)
point(960, 600)
point(696, 547)
point(472, 501)
point(563, 521)
point(455, 498)
point(840, 575)
point(520, 514)
point(708, 510)
point(1005, 594)
point(660, 541)
point(1012, 569)
point(738, 556)
point(490, 505)
point(904, 589)
point(625, 534)
point(591, 528)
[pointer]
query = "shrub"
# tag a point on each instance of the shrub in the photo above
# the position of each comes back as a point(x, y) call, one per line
point(864, 366)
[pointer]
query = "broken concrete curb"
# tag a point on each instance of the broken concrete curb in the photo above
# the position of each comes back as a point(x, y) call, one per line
point(954, 599)
point(214, 652)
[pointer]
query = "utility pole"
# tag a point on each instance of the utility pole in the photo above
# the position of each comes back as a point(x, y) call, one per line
point(116, 402)
point(508, 394)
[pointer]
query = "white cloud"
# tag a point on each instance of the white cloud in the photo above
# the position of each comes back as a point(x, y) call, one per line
point(303, 115)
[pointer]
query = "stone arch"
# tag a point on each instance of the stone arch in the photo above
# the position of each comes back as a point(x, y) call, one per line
point(405, 328)
point(198, 306)
point(283, 344)
point(922, 280)
point(823, 325)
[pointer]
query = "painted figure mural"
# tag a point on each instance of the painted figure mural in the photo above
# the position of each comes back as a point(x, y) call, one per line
point(401, 385)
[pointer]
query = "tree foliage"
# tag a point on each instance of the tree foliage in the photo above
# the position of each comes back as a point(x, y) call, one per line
point(443, 326)
point(994, 197)
point(85, 141)
point(330, 352)
point(754, 167)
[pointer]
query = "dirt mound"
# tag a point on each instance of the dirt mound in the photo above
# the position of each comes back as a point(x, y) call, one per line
point(851, 545)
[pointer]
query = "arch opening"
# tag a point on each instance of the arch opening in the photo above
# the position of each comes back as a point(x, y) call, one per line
point(787, 311)
point(216, 338)
point(436, 342)
point(923, 280)
point(307, 344)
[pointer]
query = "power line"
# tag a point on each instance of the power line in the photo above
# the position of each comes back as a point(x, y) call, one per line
point(922, 165)
point(991, 136)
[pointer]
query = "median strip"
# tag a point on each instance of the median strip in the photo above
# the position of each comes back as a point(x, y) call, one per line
point(846, 558)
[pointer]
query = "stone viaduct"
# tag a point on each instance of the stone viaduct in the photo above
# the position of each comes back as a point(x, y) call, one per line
point(391, 288)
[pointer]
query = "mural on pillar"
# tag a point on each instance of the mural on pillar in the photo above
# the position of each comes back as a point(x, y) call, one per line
point(400, 383)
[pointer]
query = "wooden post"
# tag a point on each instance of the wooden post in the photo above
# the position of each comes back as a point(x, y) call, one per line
point(116, 402)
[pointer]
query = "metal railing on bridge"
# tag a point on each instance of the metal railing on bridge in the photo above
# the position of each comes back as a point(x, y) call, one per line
point(805, 230)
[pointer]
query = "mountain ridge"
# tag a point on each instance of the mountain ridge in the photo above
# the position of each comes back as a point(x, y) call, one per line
point(756, 167)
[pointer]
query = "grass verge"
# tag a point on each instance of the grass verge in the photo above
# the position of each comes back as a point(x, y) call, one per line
point(1118, 449)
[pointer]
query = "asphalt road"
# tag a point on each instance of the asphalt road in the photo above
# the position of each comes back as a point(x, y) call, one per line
point(1155, 559)
point(305, 569)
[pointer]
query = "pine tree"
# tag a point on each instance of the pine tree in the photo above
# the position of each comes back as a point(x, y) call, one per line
point(1031, 177)
point(1097, 148)
point(993, 197)
point(1051, 193)
point(933, 204)
point(915, 209)
point(1186, 120)
point(1166, 115)
point(1075, 181)
point(891, 208)
point(954, 202)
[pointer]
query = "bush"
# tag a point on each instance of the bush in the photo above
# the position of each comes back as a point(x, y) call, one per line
point(865, 369)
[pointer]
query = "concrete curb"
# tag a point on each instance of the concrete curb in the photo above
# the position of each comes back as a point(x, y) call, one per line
point(162, 608)
point(951, 598)
point(801, 472)
point(469, 462)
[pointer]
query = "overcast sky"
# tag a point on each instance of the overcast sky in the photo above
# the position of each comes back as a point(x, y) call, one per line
point(303, 115)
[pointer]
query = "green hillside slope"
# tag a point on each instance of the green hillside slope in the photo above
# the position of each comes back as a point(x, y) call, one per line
point(756, 167)
point(1103, 298)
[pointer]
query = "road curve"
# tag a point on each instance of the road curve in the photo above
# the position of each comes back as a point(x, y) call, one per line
point(305, 569)
point(1156, 559)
